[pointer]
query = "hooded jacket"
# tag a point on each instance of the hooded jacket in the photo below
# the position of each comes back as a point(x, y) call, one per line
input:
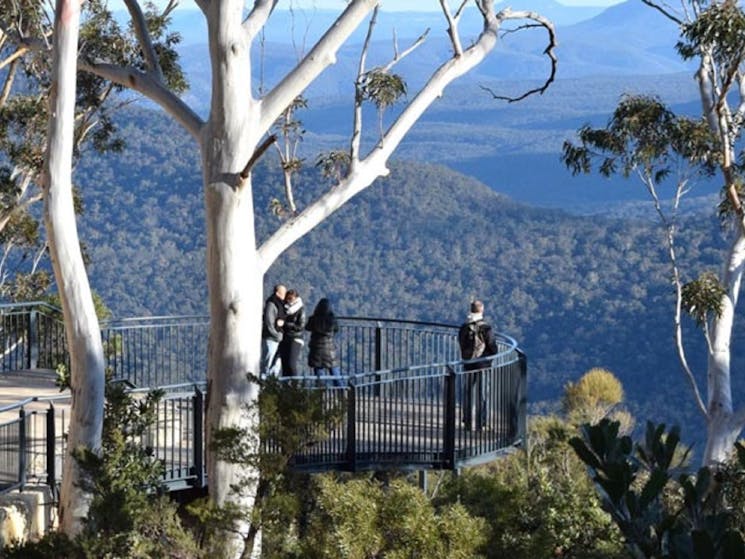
point(322, 326)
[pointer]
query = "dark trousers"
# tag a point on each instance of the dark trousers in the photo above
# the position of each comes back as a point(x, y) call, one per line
point(290, 352)
point(475, 395)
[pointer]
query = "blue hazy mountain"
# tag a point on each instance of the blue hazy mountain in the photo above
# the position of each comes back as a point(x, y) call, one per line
point(513, 148)
point(284, 25)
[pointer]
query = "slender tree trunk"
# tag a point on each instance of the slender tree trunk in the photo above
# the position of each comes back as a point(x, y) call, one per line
point(723, 425)
point(81, 324)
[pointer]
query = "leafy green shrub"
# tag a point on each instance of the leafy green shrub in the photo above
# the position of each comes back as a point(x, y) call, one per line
point(633, 481)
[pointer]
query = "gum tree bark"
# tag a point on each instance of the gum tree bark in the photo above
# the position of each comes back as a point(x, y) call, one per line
point(81, 324)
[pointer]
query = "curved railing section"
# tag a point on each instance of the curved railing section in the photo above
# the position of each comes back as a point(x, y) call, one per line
point(407, 400)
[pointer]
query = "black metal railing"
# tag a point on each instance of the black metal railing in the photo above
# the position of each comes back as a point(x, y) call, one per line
point(403, 419)
point(406, 400)
point(32, 335)
point(155, 351)
point(415, 418)
point(32, 441)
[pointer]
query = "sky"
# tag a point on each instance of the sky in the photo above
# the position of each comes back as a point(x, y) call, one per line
point(388, 5)
point(422, 5)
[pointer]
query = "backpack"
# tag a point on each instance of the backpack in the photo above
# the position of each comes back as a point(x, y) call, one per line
point(472, 343)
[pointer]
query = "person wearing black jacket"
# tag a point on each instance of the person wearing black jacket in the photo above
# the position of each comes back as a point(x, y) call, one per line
point(476, 339)
point(271, 331)
point(291, 346)
point(323, 326)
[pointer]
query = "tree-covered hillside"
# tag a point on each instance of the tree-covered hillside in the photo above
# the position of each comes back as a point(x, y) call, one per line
point(575, 292)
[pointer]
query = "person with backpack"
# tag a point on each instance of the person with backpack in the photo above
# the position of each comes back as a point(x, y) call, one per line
point(476, 339)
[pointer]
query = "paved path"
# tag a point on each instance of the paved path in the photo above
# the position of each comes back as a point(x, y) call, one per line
point(20, 385)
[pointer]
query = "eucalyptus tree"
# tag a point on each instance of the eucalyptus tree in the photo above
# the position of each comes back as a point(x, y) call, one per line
point(82, 329)
point(26, 34)
point(233, 136)
point(47, 115)
point(644, 137)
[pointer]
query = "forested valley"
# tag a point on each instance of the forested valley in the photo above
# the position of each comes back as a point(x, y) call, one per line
point(575, 292)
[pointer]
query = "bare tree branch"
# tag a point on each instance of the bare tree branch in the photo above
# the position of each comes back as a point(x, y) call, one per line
point(398, 57)
point(5, 93)
point(21, 204)
point(354, 150)
point(452, 27)
point(255, 157)
point(548, 51)
point(143, 37)
point(151, 88)
point(258, 17)
point(664, 11)
point(322, 55)
point(20, 51)
point(670, 226)
point(373, 165)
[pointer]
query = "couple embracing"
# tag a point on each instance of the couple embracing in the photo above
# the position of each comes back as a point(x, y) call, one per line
point(284, 324)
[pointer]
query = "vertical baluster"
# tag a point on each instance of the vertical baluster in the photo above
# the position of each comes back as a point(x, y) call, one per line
point(198, 429)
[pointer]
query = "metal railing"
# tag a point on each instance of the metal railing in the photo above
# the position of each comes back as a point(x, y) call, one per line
point(406, 398)
point(33, 445)
point(417, 417)
point(154, 351)
point(32, 335)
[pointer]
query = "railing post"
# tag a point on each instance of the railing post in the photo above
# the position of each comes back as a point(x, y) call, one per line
point(22, 447)
point(198, 437)
point(450, 419)
point(378, 347)
point(522, 403)
point(378, 357)
point(51, 448)
point(32, 351)
point(423, 481)
point(352, 426)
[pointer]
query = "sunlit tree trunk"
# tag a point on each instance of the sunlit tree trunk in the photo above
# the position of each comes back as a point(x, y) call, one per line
point(231, 140)
point(723, 423)
point(81, 324)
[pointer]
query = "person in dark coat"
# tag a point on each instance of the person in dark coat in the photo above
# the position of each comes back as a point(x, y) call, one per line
point(323, 326)
point(476, 339)
point(271, 331)
point(291, 346)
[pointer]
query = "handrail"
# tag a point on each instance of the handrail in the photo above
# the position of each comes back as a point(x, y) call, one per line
point(31, 399)
point(31, 304)
point(402, 375)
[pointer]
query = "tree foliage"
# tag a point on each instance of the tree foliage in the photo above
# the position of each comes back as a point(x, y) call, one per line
point(537, 505)
point(597, 394)
point(25, 30)
point(635, 481)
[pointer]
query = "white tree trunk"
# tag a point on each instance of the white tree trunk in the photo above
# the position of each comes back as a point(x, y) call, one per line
point(723, 425)
point(81, 324)
point(235, 281)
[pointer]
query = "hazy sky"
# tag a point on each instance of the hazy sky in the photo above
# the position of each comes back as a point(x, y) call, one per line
point(388, 5)
point(422, 5)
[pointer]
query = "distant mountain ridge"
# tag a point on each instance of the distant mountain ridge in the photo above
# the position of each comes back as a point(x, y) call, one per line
point(513, 148)
point(575, 292)
point(627, 39)
point(311, 23)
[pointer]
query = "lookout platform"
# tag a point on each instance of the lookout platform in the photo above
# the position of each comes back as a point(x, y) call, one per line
point(403, 404)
